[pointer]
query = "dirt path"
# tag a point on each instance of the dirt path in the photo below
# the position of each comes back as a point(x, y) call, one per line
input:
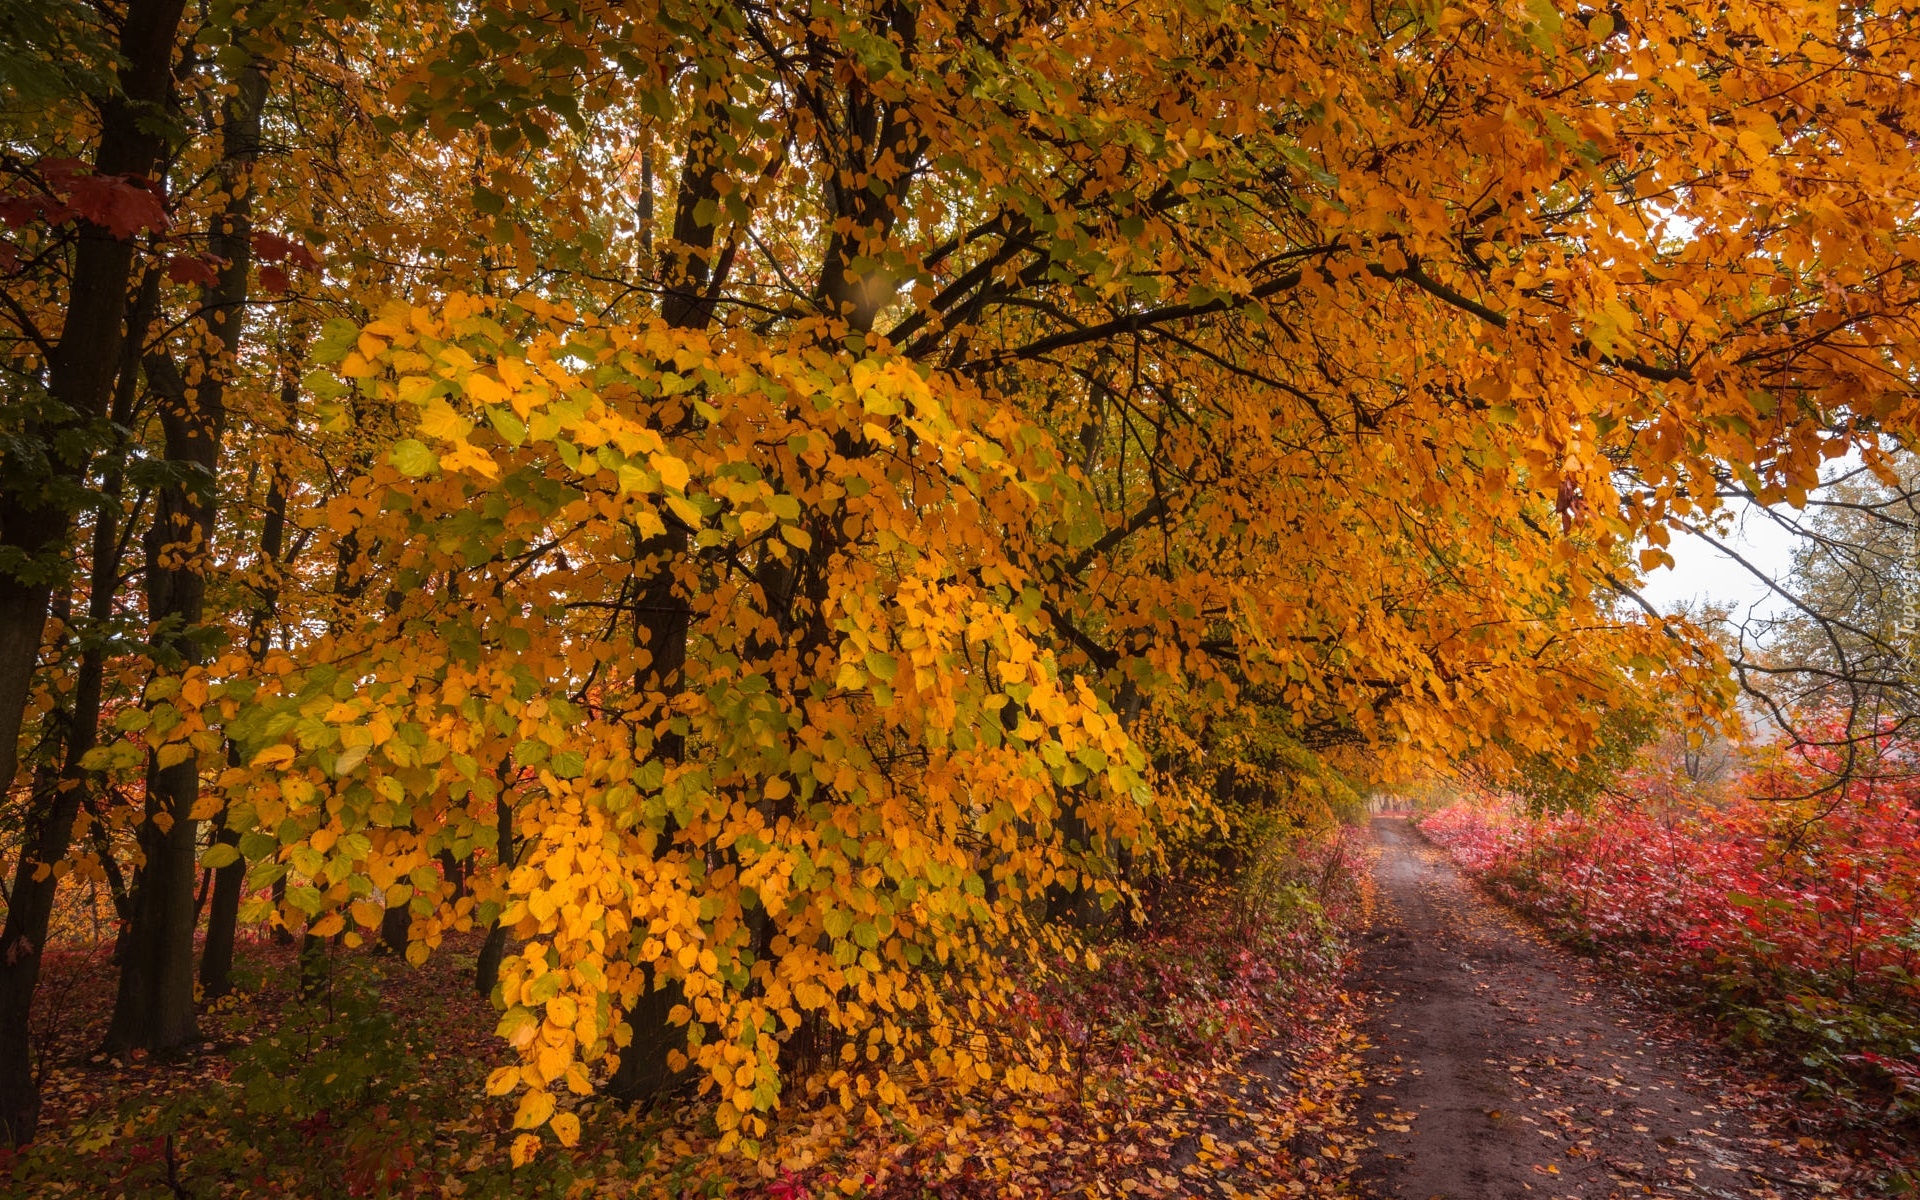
point(1500, 1067)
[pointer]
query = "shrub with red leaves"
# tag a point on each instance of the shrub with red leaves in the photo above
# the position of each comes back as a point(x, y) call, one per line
point(1792, 914)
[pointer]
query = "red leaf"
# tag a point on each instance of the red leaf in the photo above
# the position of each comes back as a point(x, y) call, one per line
point(183, 268)
point(273, 248)
point(273, 279)
point(116, 203)
point(16, 211)
point(61, 170)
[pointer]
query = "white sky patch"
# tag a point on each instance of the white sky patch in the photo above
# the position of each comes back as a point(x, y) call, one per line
point(1702, 575)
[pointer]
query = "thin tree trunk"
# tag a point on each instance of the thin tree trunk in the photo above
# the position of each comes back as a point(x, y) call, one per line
point(663, 612)
point(486, 969)
point(223, 920)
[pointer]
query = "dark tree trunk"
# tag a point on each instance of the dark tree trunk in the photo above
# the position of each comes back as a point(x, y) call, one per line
point(57, 799)
point(644, 1071)
point(486, 969)
point(691, 280)
point(223, 920)
point(394, 924)
point(282, 936)
point(35, 517)
point(454, 871)
point(154, 1009)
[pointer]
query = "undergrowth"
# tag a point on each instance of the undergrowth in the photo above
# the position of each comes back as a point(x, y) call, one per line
point(1796, 928)
point(370, 1083)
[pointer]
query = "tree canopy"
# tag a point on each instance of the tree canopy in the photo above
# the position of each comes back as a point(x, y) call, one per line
point(783, 511)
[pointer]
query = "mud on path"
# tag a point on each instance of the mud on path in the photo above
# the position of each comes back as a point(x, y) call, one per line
point(1503, 1067)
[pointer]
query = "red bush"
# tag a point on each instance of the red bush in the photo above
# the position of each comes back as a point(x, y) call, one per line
point(1793, 913)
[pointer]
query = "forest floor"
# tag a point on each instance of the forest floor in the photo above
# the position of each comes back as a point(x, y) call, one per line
point(1461, 1056)
point(1501, 1066)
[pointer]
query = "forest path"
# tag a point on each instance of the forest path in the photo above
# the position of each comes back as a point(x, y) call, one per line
point(1502, 1067)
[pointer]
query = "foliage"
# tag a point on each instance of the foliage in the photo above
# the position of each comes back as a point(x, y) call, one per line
point(366, 1087)
point(1792, 921)
point(1849, 641)
point(1548, 784)
point(787, 515)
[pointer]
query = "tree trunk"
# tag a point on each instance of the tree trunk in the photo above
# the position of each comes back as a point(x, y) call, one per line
point(80, 371)
point(691, 280)
point(52, 810)
point(486, 969)
point(394, 924)
point(223, 920)
point(80, 375)
point(154, 1009)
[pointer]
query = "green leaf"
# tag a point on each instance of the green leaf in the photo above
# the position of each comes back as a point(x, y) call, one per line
point(411, 458)
point(306, 898)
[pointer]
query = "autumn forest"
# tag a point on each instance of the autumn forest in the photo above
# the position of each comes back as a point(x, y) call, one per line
point(791, 598)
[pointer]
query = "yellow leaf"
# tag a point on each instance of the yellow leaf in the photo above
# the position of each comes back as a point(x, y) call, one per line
point(566, 1127)
point(503, 1080)
point(438, 420)
point(486, 389)
point(685, 511)
point(327, 926)
point(672, 471)
point(465, 456)
point(273, 756)
point(535, 1108)
point(524, 1148)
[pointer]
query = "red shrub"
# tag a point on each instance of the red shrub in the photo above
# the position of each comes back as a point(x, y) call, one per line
point(1793, 914)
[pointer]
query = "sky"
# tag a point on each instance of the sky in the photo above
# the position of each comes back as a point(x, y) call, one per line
point(1701, 572)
